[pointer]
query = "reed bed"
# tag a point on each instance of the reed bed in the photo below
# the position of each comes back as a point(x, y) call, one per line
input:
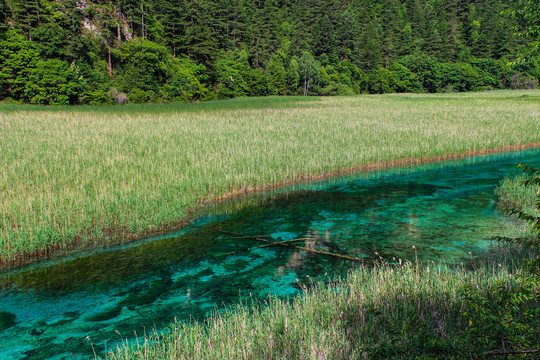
point(83, 177)
point(511, 193)
point(377, 313)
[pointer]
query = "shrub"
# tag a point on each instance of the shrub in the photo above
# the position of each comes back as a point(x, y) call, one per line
point(53, 82)
point(98, 97)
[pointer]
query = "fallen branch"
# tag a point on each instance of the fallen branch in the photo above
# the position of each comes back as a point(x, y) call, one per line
point(285, 244)
point(281, 243)
point(245, 237)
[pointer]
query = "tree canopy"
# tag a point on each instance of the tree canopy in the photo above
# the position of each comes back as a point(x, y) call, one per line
point(191, 50)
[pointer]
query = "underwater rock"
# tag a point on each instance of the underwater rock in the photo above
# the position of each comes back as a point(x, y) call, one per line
point(106, 315)
point(37, 331)
point(7, 320)
point(155, 290)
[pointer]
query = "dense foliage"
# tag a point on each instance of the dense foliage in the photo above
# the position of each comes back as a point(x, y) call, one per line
point(67, 52)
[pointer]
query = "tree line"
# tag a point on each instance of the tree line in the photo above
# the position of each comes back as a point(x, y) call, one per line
point(117, 51)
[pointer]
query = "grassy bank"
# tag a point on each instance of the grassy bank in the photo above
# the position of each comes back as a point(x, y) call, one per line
point(512, 193)
point(87, 176)
point(382, 312)
point(378, 313)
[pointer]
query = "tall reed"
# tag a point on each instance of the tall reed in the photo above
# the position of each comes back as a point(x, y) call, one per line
point(382, 312)
point(83, 177)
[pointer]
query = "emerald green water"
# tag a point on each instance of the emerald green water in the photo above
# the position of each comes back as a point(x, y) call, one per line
point(445, 210)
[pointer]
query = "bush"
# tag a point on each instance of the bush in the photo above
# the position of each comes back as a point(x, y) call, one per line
point(336, 89)
point(118, 97)
point(138, 96)
point(461, 77)
point(18, 57)
point(53, 82)
point(500, 318)
point(145, 66)
point(230, 70)
point(257, 82)
point(98, 97)
point(427, 70)
point(404, 79)
point(380, 81)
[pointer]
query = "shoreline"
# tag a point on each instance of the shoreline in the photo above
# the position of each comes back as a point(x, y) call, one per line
point(120, 236)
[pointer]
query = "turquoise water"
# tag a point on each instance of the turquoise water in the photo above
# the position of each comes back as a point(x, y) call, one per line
point(58, 310)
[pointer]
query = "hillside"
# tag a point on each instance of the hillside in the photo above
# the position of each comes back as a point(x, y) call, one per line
point(117, 51)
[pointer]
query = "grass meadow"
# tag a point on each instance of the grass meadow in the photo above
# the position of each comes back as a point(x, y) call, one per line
point(83, 177)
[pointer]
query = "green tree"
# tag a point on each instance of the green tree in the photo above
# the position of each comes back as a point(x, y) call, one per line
point(231, 68)
point(18, 57)
point(371, 54)
point(4, 16)
point(527, 15)
point(198, 40)
point(186, 83)
point(53, 82)
point(257, 82)
point(427, 69)
point(347, 35)
point(460, 77)
point(406, 41)
point(277, 75)
point(326, 39)
point(293, 76)
point(380, 81)
point(404, 79)
point(145, 65)
point(309, 72)
point(50, 40)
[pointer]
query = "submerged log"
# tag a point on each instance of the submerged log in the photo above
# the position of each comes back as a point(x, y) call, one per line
point(281, 242)
point(246, 237)
point(288, 244)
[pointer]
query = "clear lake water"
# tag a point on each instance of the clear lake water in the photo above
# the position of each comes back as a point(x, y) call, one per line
point(446, 210)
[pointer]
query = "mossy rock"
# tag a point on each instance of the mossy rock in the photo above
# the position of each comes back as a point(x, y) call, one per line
point(7, 320)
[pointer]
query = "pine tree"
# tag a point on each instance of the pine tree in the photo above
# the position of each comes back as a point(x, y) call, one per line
point(169, 14)
point(371, 55)
point(26, 15)
point(326, 39)
point(262, 32)
point(4, 16)
point(198, 40)
point(347, 35)
point(277, 74)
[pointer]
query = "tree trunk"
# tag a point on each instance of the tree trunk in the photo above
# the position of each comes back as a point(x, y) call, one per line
point(110, 63)
point(142, 18)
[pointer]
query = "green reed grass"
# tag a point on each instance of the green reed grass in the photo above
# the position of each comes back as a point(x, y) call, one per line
point(512, 193)
point(381, 312)
point(87, 176)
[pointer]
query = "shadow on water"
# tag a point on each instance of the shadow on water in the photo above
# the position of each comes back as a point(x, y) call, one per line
point(446, 211)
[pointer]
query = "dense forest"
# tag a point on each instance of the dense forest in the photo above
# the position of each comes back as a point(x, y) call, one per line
point(118, 51)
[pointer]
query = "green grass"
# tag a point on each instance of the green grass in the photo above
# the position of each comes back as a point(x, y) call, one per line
point(512, 193)
point(81, 177)
point(378, 313)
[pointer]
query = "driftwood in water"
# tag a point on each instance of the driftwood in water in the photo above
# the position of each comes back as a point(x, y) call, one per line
point(246, 237)
point(288, 242)
point(289, 245)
